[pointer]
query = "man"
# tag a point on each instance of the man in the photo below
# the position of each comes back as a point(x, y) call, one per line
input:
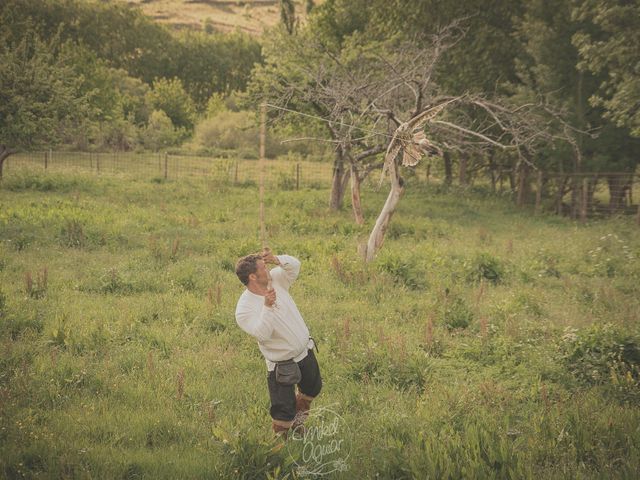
point(266, 311)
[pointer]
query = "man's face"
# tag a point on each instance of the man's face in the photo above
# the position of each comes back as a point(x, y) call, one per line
point(262, 276)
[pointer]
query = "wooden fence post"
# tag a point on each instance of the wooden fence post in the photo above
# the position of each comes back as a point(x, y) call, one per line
point(97, 162)
point(585, 199)
point(46, 154)
point(538, 192)
point(166, 165)
point(298, 176)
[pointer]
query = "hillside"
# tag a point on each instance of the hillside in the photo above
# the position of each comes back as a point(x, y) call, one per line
point(251, 16)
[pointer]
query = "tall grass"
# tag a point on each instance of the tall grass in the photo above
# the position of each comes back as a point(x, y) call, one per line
point(481, 343)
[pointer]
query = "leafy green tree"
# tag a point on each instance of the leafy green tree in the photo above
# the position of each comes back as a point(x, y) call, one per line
point(117, 102)
point(611, 50)
point(550, 67)
point(210, 63)
point(117, 33)
point(171, 97)
point(160, 132)
point(119, 133)
point(41, 99)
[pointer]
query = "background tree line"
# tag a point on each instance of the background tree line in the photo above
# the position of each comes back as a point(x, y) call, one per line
point(574, 58)
point(102, 75)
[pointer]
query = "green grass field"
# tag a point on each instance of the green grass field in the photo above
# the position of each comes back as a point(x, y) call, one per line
point(482, 342)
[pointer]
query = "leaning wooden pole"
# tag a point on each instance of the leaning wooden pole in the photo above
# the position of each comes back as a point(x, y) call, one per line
point(263, 136)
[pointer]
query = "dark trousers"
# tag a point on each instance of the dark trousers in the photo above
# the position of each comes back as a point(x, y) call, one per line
point(283, 397)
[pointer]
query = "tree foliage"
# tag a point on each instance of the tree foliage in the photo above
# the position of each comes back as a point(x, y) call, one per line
point(171, 97)
point(41, 100)
point(610, 49)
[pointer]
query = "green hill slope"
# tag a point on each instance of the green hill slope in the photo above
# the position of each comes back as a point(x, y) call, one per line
point(251, 16)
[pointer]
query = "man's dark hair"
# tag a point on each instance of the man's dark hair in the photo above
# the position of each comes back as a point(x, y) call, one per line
point(246, 266)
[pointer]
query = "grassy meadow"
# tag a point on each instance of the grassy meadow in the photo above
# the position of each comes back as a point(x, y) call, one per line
point(483, 342)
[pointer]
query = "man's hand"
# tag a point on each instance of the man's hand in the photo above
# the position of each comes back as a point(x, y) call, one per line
point(269, 257)
point(270, 298)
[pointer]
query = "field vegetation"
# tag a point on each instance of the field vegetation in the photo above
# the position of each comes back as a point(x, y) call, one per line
point(482, 342)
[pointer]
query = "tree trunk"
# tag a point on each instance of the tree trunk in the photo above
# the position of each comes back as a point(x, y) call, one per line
point(574, 196)
point(355, 195)
point(376, 238)
point(448, 171)
point(337, 182)
point(4, 154)
point(522, 185)
point(463, 170)
point(492, 171)
point(512, 180)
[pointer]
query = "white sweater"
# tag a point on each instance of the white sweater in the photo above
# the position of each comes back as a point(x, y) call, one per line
point(280, 330)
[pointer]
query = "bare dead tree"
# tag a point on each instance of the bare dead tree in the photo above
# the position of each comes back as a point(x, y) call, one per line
point(376, 97)
point(316, 82)
point(429, 123)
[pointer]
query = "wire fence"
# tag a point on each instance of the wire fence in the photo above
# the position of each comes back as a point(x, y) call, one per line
point(284, 173)
point(281, 173)
point(579, 195)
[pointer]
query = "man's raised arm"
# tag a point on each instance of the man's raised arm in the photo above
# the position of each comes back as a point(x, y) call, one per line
point(255, 324)
point(288, 271)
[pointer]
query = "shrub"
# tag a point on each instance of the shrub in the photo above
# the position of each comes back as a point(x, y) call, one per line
point(545, 264)
point(485, 267)
point(49, 182)
point(227, 130)
point(249, 455)
point(455, 313)
point(160, 133)
point(72, 234)
point(110, 282)
point(398, 229)
point(405, 271)
point(286, 182)
point(399, 371)
point(15, 324)
point(603, 355)
point(235, 132)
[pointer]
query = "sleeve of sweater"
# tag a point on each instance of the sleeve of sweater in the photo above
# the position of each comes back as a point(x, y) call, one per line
point(287, 272)
point(256, 322)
